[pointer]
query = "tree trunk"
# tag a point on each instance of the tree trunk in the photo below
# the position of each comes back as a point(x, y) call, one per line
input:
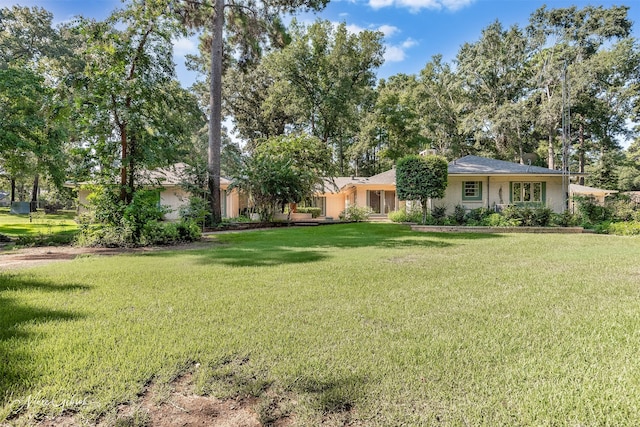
point(131, 183)
point(13, 190)
point(552, 154)
point(123, 167)
point(425, 210)
point(34, 194)
point(215, 112)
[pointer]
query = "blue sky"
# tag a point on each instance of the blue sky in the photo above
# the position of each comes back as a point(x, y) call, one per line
point(415, 30)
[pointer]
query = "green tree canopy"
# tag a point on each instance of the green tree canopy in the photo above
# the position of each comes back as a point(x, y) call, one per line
point(130, 102)
point(284, 169)
point(392, 128)
point(323, 77)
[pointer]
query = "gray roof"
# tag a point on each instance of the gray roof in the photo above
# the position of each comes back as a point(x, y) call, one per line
point(468, 165)
point(474, 165)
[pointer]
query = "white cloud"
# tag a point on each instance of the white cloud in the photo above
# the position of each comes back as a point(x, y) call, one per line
point(377, 4)
point(417, 5)
point(409, 43)
point(184, 46)
point(353, 29)
point(420, 4)
point(456, 4)
point(388, 30)
point(398, 53)
point(394, 54)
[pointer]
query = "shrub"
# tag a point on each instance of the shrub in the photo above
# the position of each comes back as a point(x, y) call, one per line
point(105, 205)
point(315, 212)
point(459, 213)
point(527, 216)
point(144, 208)
point(498, 220)
point(196, 210)
point(542, 216)
point(107, 235)
point(404, 215)
point(112, 223)
point(590, 212)
point(631, 228)
point(622, 209)
point(158, 233)
point(152, 233)
point(565, 219)
point(477, 216)
point(398, 216)
point(356, 213)
point(439, 212)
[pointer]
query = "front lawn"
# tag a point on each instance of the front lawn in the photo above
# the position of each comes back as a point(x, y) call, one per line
point(369, 324)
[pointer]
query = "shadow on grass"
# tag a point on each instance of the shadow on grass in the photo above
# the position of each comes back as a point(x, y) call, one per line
point(310, 244)
point(248, 257)
point(17, 370)
point(15, 230)
point(336, 395)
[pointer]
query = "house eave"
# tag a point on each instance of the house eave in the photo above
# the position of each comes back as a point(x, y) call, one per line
point(485, 174)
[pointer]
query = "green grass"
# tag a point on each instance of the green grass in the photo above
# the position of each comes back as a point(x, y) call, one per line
point(39, 226)
point(361, 323)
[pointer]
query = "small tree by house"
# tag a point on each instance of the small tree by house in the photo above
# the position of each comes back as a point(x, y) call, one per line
point(421, 178)
point(282, 170)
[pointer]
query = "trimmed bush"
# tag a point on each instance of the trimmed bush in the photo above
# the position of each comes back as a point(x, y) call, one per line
point(403, 215)
point(356, 213)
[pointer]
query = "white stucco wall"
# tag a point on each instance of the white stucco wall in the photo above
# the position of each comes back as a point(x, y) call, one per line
point(173, 198)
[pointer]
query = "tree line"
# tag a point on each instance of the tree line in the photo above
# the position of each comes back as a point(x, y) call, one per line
point(100, 101)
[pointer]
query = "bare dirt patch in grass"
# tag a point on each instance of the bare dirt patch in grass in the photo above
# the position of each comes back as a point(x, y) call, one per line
point(31, 257)
point(176, 404)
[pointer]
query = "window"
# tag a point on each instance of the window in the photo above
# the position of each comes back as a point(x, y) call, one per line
point(472, 190)
point(527, 192)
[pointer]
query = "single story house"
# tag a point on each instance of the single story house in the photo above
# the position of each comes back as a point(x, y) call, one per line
point(473, 182)
point(172, 194)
